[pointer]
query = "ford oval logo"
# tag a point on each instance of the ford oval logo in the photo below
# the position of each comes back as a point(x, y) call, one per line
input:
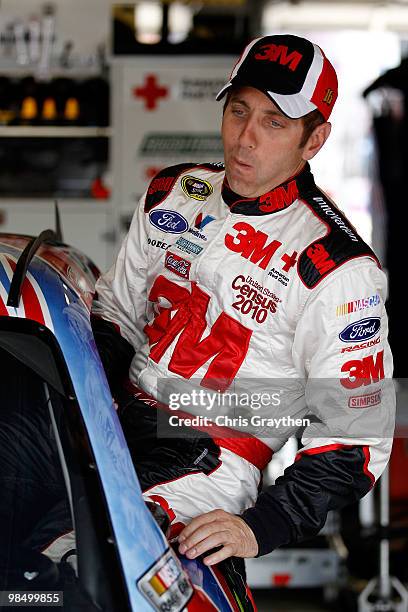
point(361, 330)
point(168, 221)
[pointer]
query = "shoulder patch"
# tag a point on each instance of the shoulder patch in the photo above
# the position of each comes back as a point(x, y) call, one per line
point(163, 183)
point(340, 244)
point(165, 180)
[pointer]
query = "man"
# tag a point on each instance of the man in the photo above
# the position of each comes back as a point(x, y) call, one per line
point(251, 273)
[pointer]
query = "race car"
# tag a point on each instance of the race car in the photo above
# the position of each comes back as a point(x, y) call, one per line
point(122, 559)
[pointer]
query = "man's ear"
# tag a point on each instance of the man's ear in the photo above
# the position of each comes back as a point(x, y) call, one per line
point(316, 140)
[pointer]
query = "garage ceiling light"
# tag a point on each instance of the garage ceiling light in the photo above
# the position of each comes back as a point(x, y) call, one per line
point(316, 15)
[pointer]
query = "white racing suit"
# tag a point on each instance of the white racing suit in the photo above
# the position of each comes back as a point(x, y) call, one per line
point(275, 295)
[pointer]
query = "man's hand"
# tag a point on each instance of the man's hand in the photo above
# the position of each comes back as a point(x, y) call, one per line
point(217, 528)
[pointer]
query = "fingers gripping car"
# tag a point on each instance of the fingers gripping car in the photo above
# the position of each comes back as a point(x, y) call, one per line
point(56, 403)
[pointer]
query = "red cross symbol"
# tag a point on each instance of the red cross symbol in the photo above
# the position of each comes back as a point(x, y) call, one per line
point(289, 261)
point(151, 92)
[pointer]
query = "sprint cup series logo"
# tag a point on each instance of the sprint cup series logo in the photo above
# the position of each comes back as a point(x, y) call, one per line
point(196, 188)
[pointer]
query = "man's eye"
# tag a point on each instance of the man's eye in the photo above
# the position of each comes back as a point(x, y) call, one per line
point(275, 124)
point(238, 111)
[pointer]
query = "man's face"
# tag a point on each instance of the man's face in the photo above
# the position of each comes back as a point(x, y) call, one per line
point(261, 145)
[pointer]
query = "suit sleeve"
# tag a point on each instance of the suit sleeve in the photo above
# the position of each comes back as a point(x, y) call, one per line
point(119, 307)
point(341, 348)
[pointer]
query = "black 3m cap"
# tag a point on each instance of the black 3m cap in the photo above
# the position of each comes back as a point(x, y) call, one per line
point(292, 71)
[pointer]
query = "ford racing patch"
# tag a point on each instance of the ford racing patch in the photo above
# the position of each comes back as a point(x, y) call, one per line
point(168, 221)
point(365, 329)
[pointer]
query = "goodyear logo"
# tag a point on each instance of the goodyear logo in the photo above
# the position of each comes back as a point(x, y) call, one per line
point(196, 188)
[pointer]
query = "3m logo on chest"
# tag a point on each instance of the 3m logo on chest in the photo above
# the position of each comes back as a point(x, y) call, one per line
point(252, 244)
point(224, 347)
point(280, 53)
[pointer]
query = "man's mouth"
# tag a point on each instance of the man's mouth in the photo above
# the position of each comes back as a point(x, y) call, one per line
point(240, 163)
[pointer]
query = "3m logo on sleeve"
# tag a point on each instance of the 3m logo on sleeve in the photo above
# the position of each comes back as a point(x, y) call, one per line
point(320, 258)
point(163, 183)
point(363, 372)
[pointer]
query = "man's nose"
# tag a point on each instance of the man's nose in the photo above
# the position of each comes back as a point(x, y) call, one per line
point(247, 137)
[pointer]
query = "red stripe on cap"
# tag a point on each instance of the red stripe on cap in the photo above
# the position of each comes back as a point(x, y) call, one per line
point(325, 93)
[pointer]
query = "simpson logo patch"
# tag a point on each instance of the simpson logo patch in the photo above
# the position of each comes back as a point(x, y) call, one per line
point(196, 188)
point(365, 401)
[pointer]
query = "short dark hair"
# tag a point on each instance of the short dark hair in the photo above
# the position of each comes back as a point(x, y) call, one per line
point(310, 121)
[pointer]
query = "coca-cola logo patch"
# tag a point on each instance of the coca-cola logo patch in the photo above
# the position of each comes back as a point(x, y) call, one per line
point(178, 265)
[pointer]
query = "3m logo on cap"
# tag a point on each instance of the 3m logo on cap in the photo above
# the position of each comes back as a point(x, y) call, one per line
point(275, 53)
point(328, 96)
